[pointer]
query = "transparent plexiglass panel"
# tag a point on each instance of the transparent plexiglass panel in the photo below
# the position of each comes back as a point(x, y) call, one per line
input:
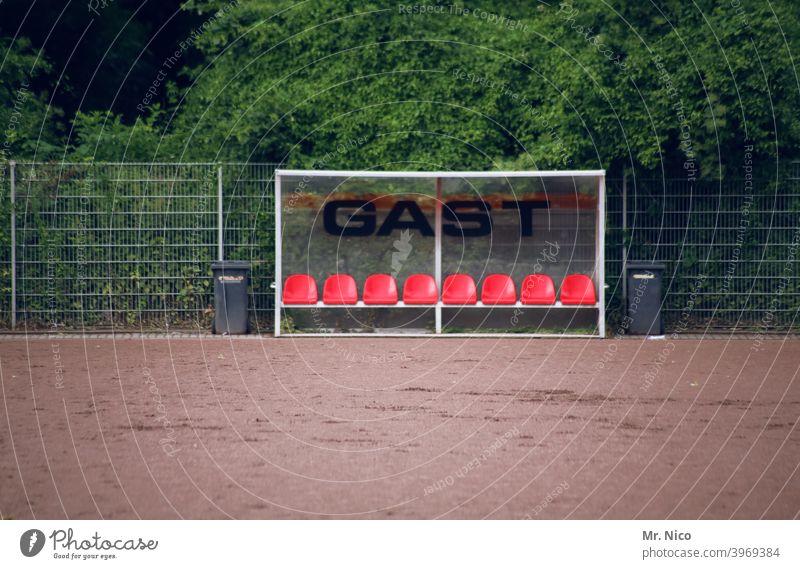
point(358, 226)
point(519, 226)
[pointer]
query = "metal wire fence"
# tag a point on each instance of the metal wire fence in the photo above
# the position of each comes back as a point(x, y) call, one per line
point(730, 249)
point(101, 245)
point(130, 245)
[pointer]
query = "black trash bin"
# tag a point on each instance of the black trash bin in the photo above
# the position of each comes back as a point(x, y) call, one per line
point(231, 279)
point(644, 298)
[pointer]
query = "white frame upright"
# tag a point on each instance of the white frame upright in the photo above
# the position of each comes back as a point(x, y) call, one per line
point(599, 269)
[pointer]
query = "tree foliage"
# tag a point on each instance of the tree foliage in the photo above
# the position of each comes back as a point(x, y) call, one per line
point(671, 87)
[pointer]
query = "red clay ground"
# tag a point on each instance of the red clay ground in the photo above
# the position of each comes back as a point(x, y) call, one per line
point(444, 428)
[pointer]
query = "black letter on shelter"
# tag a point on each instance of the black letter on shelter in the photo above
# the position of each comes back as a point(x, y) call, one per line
point(393, 219)
point(482, 218)
point(526, 214)
point(367, 221)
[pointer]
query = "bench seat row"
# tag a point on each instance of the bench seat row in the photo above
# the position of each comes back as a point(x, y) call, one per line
point(458, 289)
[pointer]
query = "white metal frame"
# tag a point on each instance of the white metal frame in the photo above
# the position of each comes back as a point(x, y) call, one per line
point(599, 271)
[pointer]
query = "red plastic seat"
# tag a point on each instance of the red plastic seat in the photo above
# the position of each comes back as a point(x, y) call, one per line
point(380, 289)
point(459, 289)
point(420, 289)
point(300, 289)
point(578, 289)
point(340, 289)
point(498, 289)
point(538, 289)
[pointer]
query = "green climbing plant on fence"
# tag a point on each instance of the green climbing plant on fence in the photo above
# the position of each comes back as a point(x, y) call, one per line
point(102, 245)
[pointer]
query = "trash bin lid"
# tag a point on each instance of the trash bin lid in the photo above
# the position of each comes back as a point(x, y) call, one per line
point(230, 265)
point(645, 265)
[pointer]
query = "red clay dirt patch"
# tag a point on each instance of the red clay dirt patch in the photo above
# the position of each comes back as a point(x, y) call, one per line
point(398, 428)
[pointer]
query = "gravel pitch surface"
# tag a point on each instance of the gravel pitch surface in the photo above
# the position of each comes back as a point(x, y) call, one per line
point(399, 428)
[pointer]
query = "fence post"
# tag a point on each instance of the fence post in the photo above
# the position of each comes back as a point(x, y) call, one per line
point(624, 234)
point(220, 244)
point(438, 252)
point(13, 167)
